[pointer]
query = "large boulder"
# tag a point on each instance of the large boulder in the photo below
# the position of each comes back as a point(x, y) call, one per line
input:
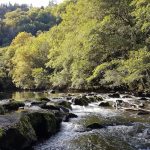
point(43, 123)
point(20, 130)
point(65, 104)
point(82, 101)
point(13, 105)
point(50, 107)
point(104, 104)
point(16, 132)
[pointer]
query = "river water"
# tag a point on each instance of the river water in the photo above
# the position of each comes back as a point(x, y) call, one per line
point(123, 131)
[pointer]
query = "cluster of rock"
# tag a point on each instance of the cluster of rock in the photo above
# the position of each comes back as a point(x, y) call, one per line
point(24, 123)
point(21, 127)
point(21, 130)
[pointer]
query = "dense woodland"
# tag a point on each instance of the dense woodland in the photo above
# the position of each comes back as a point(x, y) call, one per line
point(78, 44)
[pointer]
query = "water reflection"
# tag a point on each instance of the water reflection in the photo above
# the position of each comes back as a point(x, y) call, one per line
point(28, 95)
point(20, 96)
point(5, 95)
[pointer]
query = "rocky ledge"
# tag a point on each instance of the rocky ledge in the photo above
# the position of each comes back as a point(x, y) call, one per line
point(21, 130)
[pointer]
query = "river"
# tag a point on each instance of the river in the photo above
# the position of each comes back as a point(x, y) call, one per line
point(124, 130)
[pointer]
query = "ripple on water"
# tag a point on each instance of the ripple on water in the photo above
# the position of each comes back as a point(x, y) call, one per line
point(124, 131)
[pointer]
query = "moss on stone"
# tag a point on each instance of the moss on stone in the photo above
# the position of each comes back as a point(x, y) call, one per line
point(44, 123)
point(82, 101)
point(65, 104)
point(13, 105)
point(17, 135)
point(24, 126)
point(21, 130)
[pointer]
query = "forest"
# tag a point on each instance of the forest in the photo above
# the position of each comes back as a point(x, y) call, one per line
point(78, 44)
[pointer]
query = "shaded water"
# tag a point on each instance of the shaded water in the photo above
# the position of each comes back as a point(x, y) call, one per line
point(123, 131)
point(25, 95)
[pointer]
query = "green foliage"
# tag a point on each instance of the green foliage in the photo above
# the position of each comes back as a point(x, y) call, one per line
point(17, 19)
point(41, 79)
point(132, 72)
point(29, 60)
point(93, 43)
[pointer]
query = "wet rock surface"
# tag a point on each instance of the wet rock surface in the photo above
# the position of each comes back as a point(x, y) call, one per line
point(21, 130)
point(104, 104)
point(115, 95)
point(95, 126)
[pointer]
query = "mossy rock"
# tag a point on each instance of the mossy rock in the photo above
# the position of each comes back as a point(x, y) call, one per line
point(38, 103)
point(104, 104)
point(19, 133)
point(65, 104)
point(50, 107)
point(95, 99)
point(44, 123)
point(82, 101)
point(20, 130)
point(124, 119)
point(43, 99)
point(13, 105)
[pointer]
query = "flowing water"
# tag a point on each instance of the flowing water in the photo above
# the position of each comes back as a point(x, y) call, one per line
point(123, 130)
point(124, 136)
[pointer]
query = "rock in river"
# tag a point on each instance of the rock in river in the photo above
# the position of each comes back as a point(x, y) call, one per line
point(13, 105)
point(20, 130)
point(95, 126)
point(65, 104)
point(104, 104)
point(82, 101)
point(115, 95)
point(70, 115)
